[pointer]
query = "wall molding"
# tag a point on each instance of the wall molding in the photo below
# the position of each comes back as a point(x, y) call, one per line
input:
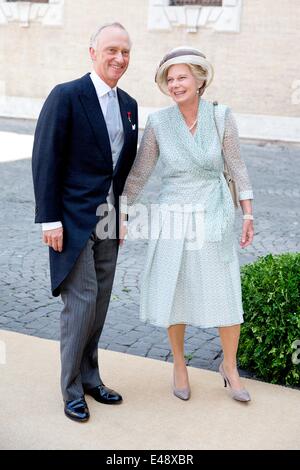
point(25, 13)
point(163, 17)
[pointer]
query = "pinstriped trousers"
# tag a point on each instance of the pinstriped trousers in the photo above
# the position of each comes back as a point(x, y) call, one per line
point(85, 293)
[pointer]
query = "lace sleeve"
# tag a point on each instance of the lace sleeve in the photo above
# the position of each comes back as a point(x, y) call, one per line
point(232, 155)
point(142, 167)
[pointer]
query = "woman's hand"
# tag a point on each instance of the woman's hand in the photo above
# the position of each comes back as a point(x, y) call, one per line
point(247, 233)
point(123, 229)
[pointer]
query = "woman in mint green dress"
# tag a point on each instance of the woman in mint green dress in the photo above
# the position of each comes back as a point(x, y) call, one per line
point(191, 274)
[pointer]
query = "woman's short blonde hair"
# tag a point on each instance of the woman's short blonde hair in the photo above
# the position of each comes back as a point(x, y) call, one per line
point(200, 74)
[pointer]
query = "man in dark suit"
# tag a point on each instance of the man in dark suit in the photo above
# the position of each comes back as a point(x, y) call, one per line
point(84, 146)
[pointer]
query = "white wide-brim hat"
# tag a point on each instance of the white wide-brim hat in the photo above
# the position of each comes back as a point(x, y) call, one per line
point(183, 55)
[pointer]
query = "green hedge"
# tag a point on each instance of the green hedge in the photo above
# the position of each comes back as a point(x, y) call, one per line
point(271, 301)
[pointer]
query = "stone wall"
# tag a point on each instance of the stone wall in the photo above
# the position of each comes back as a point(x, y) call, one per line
point(256, 69)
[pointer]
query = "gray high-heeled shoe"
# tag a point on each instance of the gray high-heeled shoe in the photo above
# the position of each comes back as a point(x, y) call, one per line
point(182, 393)
point(239, 395)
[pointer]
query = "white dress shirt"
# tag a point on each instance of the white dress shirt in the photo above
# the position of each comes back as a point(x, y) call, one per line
point(102, 90)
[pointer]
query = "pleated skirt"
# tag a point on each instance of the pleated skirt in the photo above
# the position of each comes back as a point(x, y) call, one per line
point(190, 283)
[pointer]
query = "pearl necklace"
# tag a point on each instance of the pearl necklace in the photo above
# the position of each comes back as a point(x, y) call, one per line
point(193, 125)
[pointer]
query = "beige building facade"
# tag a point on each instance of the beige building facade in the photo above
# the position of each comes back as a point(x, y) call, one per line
point(254, 46)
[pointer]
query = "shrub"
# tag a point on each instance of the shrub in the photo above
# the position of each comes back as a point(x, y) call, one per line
point(271, 301)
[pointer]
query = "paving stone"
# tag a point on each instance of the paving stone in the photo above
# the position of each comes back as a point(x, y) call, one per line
point(4, 320)
point(38, 324)
point(127, 339)
point(144, 329)
point(138, 351)
point(13, 314)
point(117, 347)
point(205, 354)
point(201, 363)
point(155, 350)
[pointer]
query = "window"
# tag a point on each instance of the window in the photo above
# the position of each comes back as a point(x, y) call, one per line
point(203, 3)
point(26, 12)
point(192, 15)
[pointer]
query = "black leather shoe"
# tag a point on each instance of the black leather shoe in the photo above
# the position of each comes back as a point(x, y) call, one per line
point(104, 395)
point(77, 410)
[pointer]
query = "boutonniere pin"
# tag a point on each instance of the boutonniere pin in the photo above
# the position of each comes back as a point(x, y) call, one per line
point(129, 119)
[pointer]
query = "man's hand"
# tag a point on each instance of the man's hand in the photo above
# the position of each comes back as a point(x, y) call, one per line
point(54, 238)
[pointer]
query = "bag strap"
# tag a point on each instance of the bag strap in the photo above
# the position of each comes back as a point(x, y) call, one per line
point(215, 103)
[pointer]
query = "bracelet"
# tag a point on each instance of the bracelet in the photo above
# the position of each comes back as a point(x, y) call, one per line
point(248, 217)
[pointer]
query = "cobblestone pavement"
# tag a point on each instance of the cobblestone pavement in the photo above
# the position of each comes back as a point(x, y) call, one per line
point(26, 304)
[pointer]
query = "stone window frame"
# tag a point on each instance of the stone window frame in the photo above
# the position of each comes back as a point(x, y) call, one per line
point(23, 12)
point(165, 17)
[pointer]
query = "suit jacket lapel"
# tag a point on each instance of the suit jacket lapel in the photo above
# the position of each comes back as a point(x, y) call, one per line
point(90, 103)
point(127, 125)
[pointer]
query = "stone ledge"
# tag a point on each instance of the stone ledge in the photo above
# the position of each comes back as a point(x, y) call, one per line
point(254, 127)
